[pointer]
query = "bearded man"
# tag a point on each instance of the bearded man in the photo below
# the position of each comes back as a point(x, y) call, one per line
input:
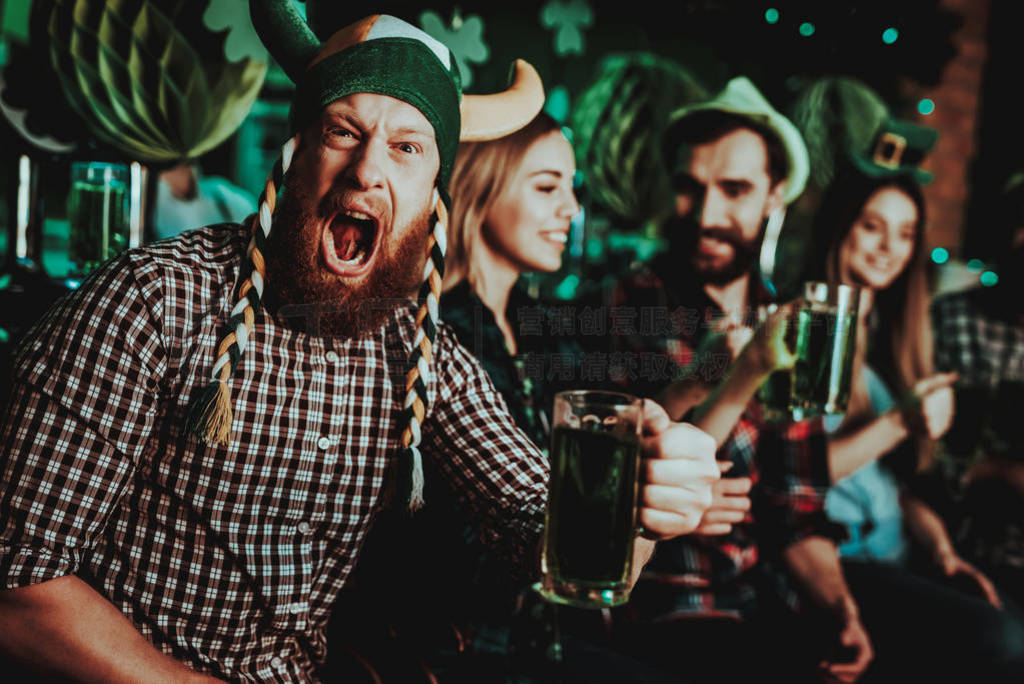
point(175, 509)
point(737, 161)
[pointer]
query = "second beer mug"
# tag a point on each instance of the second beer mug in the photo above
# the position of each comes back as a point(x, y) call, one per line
point(826, 336)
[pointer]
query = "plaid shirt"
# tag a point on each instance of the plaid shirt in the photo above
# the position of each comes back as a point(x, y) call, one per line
point(986, 348)
point(787, 463)
point(228, 558)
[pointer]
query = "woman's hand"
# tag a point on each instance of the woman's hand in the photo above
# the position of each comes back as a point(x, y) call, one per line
point(853, 653)
point(930, 411)
point(952, 565)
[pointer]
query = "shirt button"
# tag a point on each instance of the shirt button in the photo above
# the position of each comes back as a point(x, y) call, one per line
point(332, 357)
point(276, 663)
point(295, 608)
point(304, 527)
point(323, 442)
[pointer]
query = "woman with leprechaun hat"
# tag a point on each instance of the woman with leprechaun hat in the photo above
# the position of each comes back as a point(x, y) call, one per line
point(130, 548)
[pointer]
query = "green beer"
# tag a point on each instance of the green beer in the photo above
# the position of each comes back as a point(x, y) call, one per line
point(819, 381)
point(97, 215)
point(592, 509)
point(774, 395)
point(824, 363)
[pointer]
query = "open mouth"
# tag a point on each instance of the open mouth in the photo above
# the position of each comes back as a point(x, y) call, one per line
point(349, 242)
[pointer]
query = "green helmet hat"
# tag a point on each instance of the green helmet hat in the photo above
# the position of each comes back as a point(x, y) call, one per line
point(383, 55)
point(740, 96)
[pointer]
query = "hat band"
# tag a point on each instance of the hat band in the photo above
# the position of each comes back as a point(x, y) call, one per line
point(402, 68)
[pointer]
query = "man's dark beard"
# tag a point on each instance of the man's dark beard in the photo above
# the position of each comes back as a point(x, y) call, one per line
point(301, 288)
point(683, 233)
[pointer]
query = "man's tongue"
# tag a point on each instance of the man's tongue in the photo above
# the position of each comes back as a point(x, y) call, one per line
point(346, 242)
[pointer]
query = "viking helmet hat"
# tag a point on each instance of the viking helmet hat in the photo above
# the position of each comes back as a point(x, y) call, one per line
point(384, 55)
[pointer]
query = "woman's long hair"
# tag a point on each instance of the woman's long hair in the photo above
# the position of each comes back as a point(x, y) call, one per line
point(901, 348)
point(481, 173)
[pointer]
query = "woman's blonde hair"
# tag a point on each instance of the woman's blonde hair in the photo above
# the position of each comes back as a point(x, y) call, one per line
point(481, 173)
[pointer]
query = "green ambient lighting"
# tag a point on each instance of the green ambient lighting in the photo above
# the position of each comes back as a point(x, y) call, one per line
point(989, 278)
point(771, 15)
point(5, 336)
point(926, 106)
point(975, 265)
point(806, 29)
point(940, 255)
point(890, 35)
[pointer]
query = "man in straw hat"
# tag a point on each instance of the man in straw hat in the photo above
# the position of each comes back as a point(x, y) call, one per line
point(189, 476)
point(736, 162)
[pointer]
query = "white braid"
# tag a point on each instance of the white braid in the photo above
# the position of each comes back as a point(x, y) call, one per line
point(414, 427)
point(410, 399)
point(241, 336)
point(288, 151)
point(239, 307)
point(432, 308)
point(225, 358)
point(257, 282)
point(419, 337)
point(265, 218)
point(441, 236)
point(421, 363)
point(416, 495)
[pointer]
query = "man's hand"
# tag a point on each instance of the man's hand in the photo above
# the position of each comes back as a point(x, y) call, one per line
point(677, 473)
point(853, 639)
point(931, 410)
point(952, 564)
point(773, 343)
point(729, 504)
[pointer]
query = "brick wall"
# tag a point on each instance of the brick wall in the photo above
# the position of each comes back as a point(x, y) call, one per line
point(956, 116)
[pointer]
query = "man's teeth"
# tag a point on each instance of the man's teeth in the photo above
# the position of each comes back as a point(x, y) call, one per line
point(358, 215)
point(354, 259)
point(557, 236)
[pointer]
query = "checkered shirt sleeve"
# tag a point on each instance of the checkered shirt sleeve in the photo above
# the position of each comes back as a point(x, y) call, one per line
point(489, 461)
point(789, 502)
point(83, 404)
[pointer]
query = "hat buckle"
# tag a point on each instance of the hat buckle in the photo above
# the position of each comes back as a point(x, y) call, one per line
point(889, 150)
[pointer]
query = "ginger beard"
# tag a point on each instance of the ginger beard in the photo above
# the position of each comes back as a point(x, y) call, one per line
point(302, 286)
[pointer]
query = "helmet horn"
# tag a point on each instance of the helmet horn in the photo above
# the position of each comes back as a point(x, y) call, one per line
point(285, 34)
point(487, 117)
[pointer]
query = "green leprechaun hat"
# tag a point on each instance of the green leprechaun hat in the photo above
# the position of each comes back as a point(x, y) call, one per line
point(898, 148)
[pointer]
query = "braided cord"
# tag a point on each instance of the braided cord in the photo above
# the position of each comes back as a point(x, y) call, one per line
point(427, 319)
point(210, 413)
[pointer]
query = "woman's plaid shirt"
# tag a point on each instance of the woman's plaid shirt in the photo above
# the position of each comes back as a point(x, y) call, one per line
point(229, 557)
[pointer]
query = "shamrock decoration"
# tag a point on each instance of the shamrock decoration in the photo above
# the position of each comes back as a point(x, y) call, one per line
point(464, 39)
point(242, 40)
point(568, 18)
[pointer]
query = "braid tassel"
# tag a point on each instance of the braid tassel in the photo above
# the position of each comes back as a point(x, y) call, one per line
point(427, 319)
point(210, 414)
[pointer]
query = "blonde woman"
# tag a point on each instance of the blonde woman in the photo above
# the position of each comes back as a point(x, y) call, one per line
point(512, 204)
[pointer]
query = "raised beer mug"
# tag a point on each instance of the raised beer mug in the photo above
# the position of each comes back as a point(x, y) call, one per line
point(591, 520)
